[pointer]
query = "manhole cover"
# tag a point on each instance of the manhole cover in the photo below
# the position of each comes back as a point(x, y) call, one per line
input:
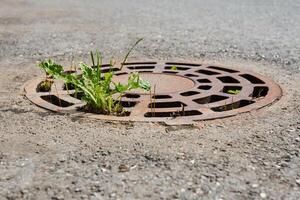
point(184, 93)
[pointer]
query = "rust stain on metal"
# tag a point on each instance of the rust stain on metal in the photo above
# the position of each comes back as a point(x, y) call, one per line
point(184, 94)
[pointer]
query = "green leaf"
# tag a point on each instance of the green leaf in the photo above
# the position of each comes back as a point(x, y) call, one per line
point(174, 68)
point(120, 88)
point(144, 85)
point(92, 57)
point(233, 91)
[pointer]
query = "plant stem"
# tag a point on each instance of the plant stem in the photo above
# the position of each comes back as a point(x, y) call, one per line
point(125, 58)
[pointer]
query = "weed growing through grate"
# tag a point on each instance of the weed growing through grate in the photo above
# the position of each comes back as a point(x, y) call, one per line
point(97, 87)
point(233, 91)
point(173, 68)
point(45, 86)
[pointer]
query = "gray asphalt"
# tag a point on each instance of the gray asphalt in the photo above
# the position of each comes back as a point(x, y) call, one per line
point(255, 30)
point(54, 156)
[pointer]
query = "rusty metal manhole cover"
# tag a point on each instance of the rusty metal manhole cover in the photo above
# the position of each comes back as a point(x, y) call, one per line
point(190, 92)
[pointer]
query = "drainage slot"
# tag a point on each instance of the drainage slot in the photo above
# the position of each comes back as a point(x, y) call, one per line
point(204, 87)
point(204, 80)
point(190, 113)
point(210, 99)
point(170, 72)
point(127, 104)
point(141, 67)
point(56, 101)
point(173, 114)
point(159, 114)
point(132, 96)
point(174, 104)
point(144, 71)
point(109, 70)
point(125, 114)
point(252, 79)
point(235, 105)
point(69, 72)
point(69, 86)
point(223, 69)
point(102, 66)
point(122, 73)
point(189, 93)
point(207, 72)
point(77, 95)
point(177, 68)
point(232, 89)
point(191, 75)
point(260, 92)
point(140, 63)
point(228, 79)
point(161, 97)
point(184, 64)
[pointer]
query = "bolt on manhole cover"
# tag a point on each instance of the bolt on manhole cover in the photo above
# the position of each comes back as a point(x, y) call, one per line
point(184, 93)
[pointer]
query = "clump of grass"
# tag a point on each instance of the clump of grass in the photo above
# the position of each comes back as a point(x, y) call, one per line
point(45, 86)
point(100, 93)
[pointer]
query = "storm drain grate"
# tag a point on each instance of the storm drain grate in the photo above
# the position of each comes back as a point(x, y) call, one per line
point(184, 93)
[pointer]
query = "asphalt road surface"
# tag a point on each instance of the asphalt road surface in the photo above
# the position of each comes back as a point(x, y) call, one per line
point(54, 156)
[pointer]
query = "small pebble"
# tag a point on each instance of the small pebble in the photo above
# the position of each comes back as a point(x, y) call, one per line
point(291, 130)
point(123, 168)
point(263, 195)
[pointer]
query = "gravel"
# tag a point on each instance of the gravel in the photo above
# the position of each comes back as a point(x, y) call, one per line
point(55, 156)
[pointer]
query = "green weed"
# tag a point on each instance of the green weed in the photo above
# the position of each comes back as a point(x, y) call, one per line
point(45, 86)
point(233, 91)
point(100, 93)
point(173, 68)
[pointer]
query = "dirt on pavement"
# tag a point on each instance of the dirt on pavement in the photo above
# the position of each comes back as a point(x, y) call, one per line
point(47, 155)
